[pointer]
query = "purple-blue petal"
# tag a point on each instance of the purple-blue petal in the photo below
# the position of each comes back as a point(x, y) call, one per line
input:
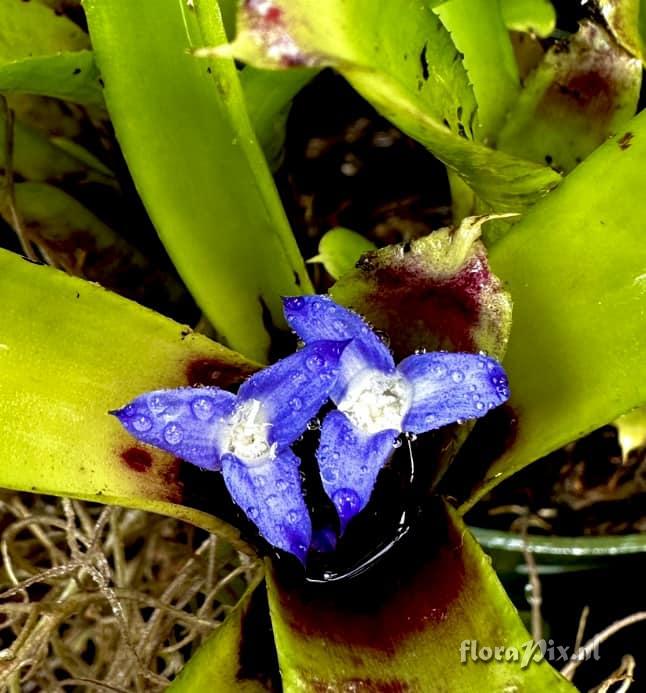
point(349, 462)
point(187, 422)
point(448, 387)
point(270, 494)
point(294, 389)
point(319, 317)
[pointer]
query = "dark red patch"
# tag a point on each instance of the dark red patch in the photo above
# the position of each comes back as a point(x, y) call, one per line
point(412, 306)
point(274, 14)
point(137, 459)
point(410, 590)
point(625, 140)
point(213, 372)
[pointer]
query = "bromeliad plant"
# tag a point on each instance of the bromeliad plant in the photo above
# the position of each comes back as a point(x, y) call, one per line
point(392, 580)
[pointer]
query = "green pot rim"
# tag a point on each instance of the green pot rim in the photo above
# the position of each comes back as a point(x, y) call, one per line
point(561, 546)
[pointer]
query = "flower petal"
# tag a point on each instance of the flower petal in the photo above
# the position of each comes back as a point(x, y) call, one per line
point(187, 422)
point(451, 386)
point(270, 494)
point(319, 317)
point(294, 389)
point(349, 461)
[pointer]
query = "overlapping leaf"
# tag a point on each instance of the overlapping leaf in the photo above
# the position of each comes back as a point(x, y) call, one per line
point(183, 128)
point(404, 62)
point(70, 352)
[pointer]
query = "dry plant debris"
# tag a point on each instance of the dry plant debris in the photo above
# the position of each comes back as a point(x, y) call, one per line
point(97, 598)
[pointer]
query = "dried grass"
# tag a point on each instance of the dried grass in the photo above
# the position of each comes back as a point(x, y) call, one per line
point(106, 599)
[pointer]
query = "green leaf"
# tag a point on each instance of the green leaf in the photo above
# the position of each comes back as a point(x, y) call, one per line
point(268, 96)
point(434, 293)
point(222, 663)
point(413, 75)
point(533, 16)
point(71, 76)
point(575, 268)
point(478, 31)
point(30, 29)
point(626, 20)
point(584, 90)
point(37, 158)
point(340, 249)
point(402, 625)
point(186, 136)
point(71, 351)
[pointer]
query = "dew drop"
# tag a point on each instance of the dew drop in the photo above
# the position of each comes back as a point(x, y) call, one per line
point(128, 410)
point(316, 305)
point(259, 481)
point(473, 388)
point(142, 424)
point(457, 376)
point(348, 437)
point(329, 474)
point(475, 396)
point(438, 371)
point(272, 500)
point(460, 422)
point(480, 406)
point(296, 302)
point(298, 378)
point(347, 501)
point(420, 351)
point(202, 408)
point(292, 517)
point(252, 512)
point(296, 403)
point(156, 405)
point(282, 485)
point(411, 436)
point(173, 434)
point(397, 443)
point(363, 468)
point(315, 362)
point(313, 425)
point(430, 419)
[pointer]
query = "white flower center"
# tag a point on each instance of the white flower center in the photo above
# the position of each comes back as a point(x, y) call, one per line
point(376, 401)
point(246, 437)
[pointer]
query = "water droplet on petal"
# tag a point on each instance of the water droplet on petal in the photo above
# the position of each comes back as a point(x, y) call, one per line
point(156, 405)
point(430, 419)
point(315, 362)
point(282, 485)
point(173, 434)
point(202, 408)
point(348, 437)
point(347, 501)
point(292, 517)
point(329, 474)
point(460, 421)
point(313, 425)
point(298, 378)
point(296, 302)
point(316, 305)
point(457, 376)
point(339, 327)
point(411, 436)
point(142, 424)
point(272, 500)
point(438, 371)
point(252, 512)
point(258, 481)
point(296, 403)
point(397, 443)
point(363, 468)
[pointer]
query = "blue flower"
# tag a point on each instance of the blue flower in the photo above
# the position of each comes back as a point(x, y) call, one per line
point(377, 400)
point(248, 436)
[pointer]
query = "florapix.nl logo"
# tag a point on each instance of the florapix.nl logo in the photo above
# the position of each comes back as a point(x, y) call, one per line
point(471, 651)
